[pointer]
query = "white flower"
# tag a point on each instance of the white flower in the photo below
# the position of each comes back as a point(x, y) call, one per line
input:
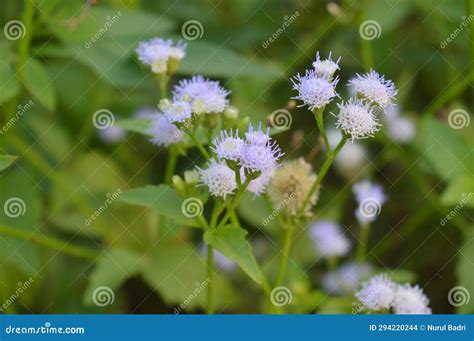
point(219, 179)
point(377, 293)
point(111, 134)
point(374, 88)
point(326, 67)
point(357, 119)
point(257, 137)
point(206, 96)
point(157, 53)
point(351, 158)
point(345, 279)
point(259, 185)
point(401, 129)
point(228, 147)
point(366, 189)
point(163, 132)
point(410, 300)
point(176, 111)
point(329, 239)
point(315, 91)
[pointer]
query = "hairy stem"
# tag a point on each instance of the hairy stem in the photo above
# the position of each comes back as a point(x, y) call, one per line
point(171, 164)
point(318, 115)
point(285, 254)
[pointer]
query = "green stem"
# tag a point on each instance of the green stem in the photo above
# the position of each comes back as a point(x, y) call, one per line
point(235, 203)
point(162, 84)
point(285, 255)
point(366, 48)
point(171, 164)
point(318, 114)
point(322, 173)
point(210, 275)
point(199, 146)
point(50, 242)
point(363, 241)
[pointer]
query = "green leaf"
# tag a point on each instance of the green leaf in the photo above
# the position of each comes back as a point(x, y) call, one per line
point(39, 84)
point(20, 198)
point(162, 198)
point(256, 212)
point(459, 192)
point(464, 267)
point(231, 241)
point(112, 269)
point(9, 85)
point(136, 125)
point(444, 149)
point(6, 161)
point(178, 273)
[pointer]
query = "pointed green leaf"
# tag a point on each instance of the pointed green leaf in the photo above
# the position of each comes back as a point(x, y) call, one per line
point(231, 241)
point(39, 84)
point(6, 161)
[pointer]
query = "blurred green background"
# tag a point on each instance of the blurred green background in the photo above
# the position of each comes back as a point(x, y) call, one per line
point(65, 170)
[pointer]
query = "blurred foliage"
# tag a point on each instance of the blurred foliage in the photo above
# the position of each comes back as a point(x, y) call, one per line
point(63, 171)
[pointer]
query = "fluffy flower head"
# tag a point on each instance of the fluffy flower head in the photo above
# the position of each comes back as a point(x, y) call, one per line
point(158, 52)
point(325, 67)
point(163, 132)
point(228, 147)
point(290, 185)
point(219, 179)
point(377, 293)
point(329, 239)
point(176, 111)
point(346, 278)
point(206, 96)
point(257, 137)
point(366, 189)
point(410, 300)
point(374, 88)
point(357, 119)
point(313, 90)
